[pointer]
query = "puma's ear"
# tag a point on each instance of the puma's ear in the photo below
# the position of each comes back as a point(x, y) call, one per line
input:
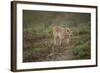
point(67, 30)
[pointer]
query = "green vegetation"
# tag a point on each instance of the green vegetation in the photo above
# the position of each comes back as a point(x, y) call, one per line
point(82, 51)
point(38, 40)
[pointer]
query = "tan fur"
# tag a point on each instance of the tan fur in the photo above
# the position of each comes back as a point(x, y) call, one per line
point(61, 34)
